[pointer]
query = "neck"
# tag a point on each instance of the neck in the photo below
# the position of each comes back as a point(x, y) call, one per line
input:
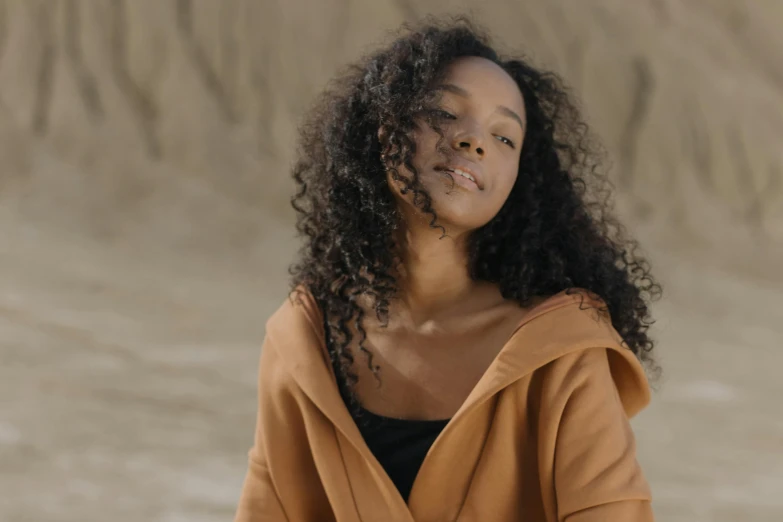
point(433, 275)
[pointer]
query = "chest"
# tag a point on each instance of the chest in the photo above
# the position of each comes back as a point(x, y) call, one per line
point(429, 375)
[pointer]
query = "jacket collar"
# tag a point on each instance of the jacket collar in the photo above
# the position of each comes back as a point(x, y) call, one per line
point(566, 322)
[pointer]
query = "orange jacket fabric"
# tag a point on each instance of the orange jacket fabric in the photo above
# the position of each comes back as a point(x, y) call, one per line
point(543, 437)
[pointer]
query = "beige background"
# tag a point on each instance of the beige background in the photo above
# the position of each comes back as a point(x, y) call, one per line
point(145, 232)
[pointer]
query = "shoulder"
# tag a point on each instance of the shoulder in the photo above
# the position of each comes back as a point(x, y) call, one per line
point(298, 309)
point(295, 334)
point(597, 374)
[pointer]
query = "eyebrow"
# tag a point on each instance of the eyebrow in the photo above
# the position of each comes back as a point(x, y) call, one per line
point(459, 91)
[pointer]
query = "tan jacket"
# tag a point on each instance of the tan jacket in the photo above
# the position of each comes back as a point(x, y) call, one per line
point(543, 437)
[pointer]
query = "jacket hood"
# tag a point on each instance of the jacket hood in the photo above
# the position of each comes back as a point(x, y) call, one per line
point(564, 323)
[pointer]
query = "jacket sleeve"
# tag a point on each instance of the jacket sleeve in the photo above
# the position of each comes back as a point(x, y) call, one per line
point(597, 476)
point(259, 501)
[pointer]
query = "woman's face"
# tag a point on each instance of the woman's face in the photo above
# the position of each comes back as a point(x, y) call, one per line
point(481, 114)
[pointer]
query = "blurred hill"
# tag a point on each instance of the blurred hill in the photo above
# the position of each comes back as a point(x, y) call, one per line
point(119, 116)
point(144, 213)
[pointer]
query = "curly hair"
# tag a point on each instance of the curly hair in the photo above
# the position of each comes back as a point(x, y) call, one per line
point(555, 231)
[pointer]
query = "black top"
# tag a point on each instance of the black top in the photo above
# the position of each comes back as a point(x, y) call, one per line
point(400, 445)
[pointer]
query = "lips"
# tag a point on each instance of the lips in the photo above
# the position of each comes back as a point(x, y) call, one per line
point(460, 169)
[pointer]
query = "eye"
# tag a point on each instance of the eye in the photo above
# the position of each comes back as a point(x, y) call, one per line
point(440, 113)
point(506, 141)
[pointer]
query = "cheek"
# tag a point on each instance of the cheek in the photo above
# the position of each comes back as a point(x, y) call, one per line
point(426, 141)
point(507, 176)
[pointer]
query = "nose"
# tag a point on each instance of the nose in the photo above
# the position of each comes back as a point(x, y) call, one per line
point(470, 141)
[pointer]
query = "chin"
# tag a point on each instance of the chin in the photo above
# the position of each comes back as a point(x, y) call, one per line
point(460, 215)
point(458, 210)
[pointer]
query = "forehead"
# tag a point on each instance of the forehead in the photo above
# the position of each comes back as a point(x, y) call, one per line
point(485, 79)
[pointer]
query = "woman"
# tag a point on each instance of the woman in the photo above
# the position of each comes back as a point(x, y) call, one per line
point(466, 330)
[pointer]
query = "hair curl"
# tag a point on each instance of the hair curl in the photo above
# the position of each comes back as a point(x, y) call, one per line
point(555, 232)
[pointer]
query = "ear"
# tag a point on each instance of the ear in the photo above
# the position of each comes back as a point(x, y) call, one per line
point(383, 139)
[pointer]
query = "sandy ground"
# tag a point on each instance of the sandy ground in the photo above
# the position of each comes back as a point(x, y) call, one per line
point(127, 389)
